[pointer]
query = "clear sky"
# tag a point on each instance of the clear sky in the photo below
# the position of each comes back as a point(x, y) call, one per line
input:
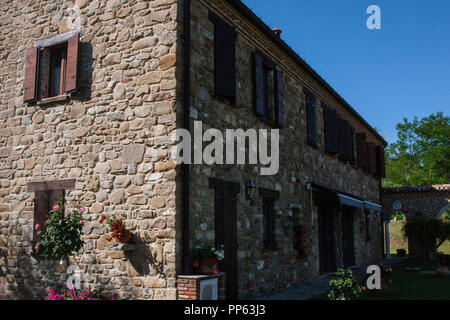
point(402, 70)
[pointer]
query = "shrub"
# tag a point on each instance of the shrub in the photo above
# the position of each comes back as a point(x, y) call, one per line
point(428, 233)
point(74, 295)
point(345, 287)
point(62, 235)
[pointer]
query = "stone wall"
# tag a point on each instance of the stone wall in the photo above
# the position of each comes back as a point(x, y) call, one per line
point(261, 271)
point(112, 136)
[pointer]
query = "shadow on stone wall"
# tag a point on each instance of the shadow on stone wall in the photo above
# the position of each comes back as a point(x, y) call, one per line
point(145, 261)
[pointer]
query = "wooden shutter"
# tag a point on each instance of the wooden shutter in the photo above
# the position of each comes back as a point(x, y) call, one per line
point(224, 58)
point(311, 119)
point(361, 150)
point(330, 120)
point(258, 84)
point(343, 139)
point(72, 63)
point(352, 145)
point(381, 170)
point(31, 74)
point(279, 93)
point(371, 149)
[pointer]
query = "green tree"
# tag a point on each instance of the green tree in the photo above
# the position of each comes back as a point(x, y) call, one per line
point(421, 154)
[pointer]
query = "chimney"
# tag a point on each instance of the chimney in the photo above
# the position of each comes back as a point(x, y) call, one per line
point(277, 32)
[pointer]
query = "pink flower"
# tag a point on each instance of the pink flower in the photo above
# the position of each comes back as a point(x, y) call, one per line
point(82, 210)
point(81, 222)
point(216, 271)
point(36, 248)
point(56, 207)
point(37, 226)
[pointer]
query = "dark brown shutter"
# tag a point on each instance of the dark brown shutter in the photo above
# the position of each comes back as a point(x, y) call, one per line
point(41, 209)
point(381, 170)
point(31, 74)
point(72, 63)
point(361, 150)
point(371, 149)
point(279, 92)
point(342, 138)
point(352, 145)
point(258, 84)
point(330, 129)
point(311, 118)
point(224, 58)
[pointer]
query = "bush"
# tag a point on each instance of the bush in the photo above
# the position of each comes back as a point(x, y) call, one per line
point(429, 234)
point(345, 287)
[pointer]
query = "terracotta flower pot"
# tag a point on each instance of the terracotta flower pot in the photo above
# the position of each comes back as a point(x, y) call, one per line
point(124, 237)
point(208, 266)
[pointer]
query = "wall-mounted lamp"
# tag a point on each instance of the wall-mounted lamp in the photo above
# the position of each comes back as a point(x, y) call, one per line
point(250, 189)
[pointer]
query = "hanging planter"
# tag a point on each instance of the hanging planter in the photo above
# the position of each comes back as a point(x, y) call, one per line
point(117, 228)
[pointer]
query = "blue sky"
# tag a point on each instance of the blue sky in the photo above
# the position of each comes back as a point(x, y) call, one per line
point(402, 70)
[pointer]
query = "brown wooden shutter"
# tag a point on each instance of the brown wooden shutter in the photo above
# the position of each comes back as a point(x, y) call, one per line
point(352, 145)
point(361, 150)
point(224, 58)
point(41, 209)
point(342, 138)
point(371, 149)
point(330, 120)
point(381, 170)
point(258, 84)
point(72, 63)
point(279, 92)
point(31, 74)
point(311, 119)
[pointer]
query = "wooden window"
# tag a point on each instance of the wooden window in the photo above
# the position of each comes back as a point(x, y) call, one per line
point(352, 146)
point(381, 170)
point(58, 65)
point(224, 59)
point(269, 228)
point(268, 89)
point(47, 194)
point(331, 133)
point(269, 223)
point(371, 150)
point(51, 66)
point(311, 119)
point(345, 140)
point(361, 149)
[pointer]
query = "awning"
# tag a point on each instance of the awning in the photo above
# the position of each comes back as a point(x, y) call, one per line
point(373, 206)
point(350, 201)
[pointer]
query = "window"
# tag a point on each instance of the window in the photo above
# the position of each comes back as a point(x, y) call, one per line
point(381, 170)
point(330, 125)
point(371, 150)
point(46, 195)
point(361, 149)
point(269, 223)
point(311, 118)
point(268, 90)
point(224, 59)
point(51, 67)
point(345, 138)
point(269, 235)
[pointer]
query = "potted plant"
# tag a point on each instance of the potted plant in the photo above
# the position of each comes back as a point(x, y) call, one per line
point(117, 228)
point(344, 287)
point(206, 259)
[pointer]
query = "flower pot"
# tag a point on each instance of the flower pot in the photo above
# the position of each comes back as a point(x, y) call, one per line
point(124, 237)
point(208, 266)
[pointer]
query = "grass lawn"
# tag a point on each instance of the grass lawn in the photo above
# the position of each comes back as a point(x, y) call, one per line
point(415, 286)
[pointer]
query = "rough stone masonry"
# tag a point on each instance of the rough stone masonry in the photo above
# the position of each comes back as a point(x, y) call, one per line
point(114, 136)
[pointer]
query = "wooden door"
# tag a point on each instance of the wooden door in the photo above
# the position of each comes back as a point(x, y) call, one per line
point(348, 236)
point(327, 256)
point(226, 193)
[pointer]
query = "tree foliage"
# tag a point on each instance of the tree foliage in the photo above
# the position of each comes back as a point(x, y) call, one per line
point(421, 154)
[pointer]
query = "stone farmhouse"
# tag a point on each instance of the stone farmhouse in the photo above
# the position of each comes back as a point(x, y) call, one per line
point(91, 96)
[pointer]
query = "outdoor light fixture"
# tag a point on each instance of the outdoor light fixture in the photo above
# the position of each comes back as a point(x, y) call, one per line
point(250, 189)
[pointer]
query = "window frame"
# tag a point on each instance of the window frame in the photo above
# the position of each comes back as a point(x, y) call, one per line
point(62, 83)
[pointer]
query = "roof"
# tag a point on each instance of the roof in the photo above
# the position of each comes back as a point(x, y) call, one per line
point(431, 188)
point(250, 15)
